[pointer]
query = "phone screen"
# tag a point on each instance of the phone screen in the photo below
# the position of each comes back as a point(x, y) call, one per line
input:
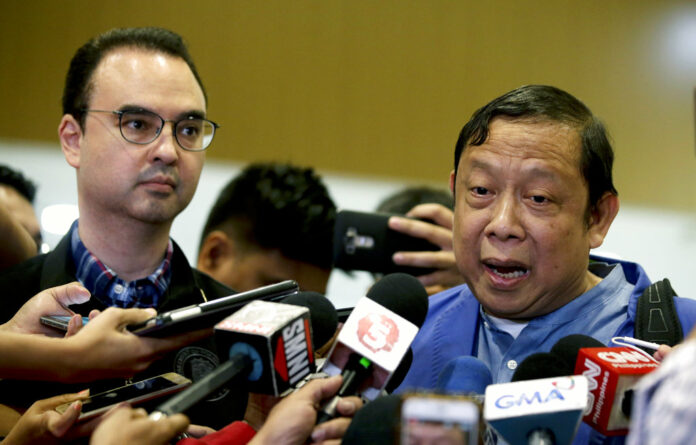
point(441, 420)
point(134, 393)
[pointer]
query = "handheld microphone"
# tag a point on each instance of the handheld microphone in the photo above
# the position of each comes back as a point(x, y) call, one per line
point(466, 375)
point(376, 423)
point(322, 314)
point(266, 343)
point(376, 337)
point(611, 373)
point(542, 365)
point(542, 411)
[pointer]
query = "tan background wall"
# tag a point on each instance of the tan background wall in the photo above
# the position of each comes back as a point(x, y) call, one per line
point(383, 87)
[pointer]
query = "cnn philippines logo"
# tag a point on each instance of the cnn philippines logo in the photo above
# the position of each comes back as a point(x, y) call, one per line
point(377, 332)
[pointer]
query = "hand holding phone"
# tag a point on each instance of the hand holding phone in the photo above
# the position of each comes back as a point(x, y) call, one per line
point(449, 420)
point(364, 241)
point(60, 322)
point(134, 394)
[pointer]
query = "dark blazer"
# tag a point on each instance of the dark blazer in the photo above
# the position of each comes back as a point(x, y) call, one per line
point(188, 286)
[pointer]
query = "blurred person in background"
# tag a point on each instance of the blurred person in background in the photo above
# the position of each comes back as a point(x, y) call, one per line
point(18, 222)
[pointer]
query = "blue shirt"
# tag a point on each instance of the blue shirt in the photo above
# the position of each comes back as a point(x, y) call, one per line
point(452, 328)
point(598, 312)
point(108, 288)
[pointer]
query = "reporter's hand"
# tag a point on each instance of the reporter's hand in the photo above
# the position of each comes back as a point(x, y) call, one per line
point(126, 425)
point(106, 349)
point(52, 301)
point(332, 432)
point(42, 424)
point(292, 420)
point(440, 233)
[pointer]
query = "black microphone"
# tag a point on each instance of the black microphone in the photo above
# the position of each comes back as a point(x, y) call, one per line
point(322, 313)
point(376, 423)
point(376, 338)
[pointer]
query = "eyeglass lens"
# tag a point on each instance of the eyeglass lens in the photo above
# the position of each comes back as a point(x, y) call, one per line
point(142, 127)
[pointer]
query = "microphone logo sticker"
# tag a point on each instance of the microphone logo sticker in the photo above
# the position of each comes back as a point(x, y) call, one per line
point(378, 332)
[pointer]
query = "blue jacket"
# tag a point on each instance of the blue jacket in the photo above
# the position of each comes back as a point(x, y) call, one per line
point(451, 330)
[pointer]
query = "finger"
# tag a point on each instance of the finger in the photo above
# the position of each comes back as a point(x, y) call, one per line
point(69, 294)
point(74, 325)
point(432, 290)
point(438, 235)
point(52, 402)
point(178, 423)
point(436, 260)
point(93, 313)
point(333, 429)
point(348, 406)
point(123, 317)
point(320, 389)
point(199, 430)
point(439, 214)
point(58, 424)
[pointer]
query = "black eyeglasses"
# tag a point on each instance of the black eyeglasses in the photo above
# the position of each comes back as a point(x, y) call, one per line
point(143, 126)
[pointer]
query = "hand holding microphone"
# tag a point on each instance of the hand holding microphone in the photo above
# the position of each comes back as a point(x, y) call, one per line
point(376, 338)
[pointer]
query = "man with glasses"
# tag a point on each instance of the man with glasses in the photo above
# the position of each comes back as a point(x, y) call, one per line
point(135, 130)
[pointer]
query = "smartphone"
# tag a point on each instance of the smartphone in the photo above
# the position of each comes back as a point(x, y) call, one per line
point(60, 322)
point(203, 315)
point(440, 419)
point(134, 394)
point(364, 241)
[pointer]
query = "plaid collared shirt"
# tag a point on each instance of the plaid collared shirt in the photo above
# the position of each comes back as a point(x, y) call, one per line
point(108, 288)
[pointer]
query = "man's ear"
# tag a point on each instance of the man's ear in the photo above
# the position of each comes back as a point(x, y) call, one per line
point(452, 180)
point(601, 217)
point(216, 249)
point(70, 135)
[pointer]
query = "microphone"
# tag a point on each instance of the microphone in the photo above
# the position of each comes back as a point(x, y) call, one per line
point(375, 338)
point(268, 345)
point(567, 348)
point(322, 314)
point(542, 411)
point(542, 365)
point(466, 375)
point(612, 373)
point(376, 423)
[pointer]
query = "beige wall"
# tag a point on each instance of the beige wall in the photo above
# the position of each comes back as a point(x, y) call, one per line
point(383, 87)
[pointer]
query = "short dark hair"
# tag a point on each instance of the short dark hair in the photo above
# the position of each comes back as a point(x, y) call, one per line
point(278, 206)
point(405, 199)
point(18, 181)
point(78, 82)
point(548, 103)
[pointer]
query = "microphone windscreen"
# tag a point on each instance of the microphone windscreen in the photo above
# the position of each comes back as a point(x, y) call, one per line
point(376, 423)
point(464, 375)
point(322, 314)
point(400, 372)
point(540, 365)
point(567, 348)
point(402, 294)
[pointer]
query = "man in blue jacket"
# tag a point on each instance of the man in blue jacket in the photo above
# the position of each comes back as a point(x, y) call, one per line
point(533, 191)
